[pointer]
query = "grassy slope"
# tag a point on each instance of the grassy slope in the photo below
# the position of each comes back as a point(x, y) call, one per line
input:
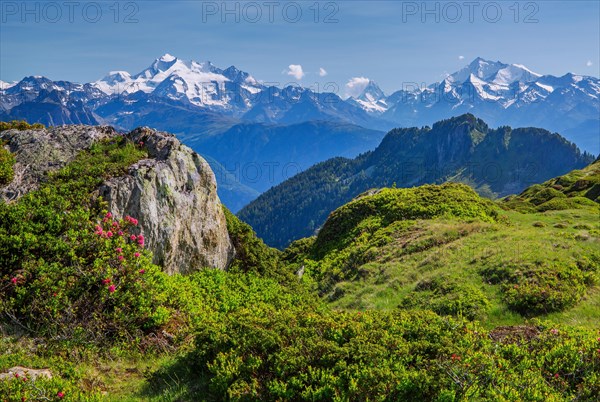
point(539, 262)
point(393, 275)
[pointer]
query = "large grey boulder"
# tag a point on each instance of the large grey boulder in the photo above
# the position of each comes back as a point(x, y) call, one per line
point(173, 193)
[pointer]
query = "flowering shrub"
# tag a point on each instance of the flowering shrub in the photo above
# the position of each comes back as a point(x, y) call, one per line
point(65, 275)
point(106, 290)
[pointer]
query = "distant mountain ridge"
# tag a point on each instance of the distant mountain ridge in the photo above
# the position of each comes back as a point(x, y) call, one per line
point(497, 162)
point(186, 92)
point(501, 94)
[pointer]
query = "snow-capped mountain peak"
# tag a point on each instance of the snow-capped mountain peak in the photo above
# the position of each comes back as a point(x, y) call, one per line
point(160, 70)
point(167, 58)
point(164, 63)
point(371, 93)
point(199, 83)
point(479, 67)
point(494, 72)
point(372, 99)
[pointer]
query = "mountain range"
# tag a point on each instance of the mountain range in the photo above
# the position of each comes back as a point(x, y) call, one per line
point(496, 162)
point(212, 109)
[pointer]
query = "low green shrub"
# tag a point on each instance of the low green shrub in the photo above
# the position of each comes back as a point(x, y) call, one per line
point(390, 205)
point(561, 203)
point(22, 388)
point(574, 189)
point(252, 255)
point(65, 385)
point(546, 194)
point(446, 296)
point(269, 354)
point(543, 286)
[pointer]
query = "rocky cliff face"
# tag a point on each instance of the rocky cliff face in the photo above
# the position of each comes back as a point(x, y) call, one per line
point(172, 193)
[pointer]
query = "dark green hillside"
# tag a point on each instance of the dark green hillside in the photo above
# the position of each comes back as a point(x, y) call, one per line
point(496, 162)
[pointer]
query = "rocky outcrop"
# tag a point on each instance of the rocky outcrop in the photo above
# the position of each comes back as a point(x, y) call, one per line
point(39, 151)
point(173, 193)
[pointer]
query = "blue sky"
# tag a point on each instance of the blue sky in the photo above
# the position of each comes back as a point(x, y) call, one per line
point(391, 42)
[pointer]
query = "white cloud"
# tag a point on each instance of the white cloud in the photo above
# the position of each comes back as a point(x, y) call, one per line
point(461, 57)
point(356, 86)
point(322, 72)
point(589, 63)
point(295, 70)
